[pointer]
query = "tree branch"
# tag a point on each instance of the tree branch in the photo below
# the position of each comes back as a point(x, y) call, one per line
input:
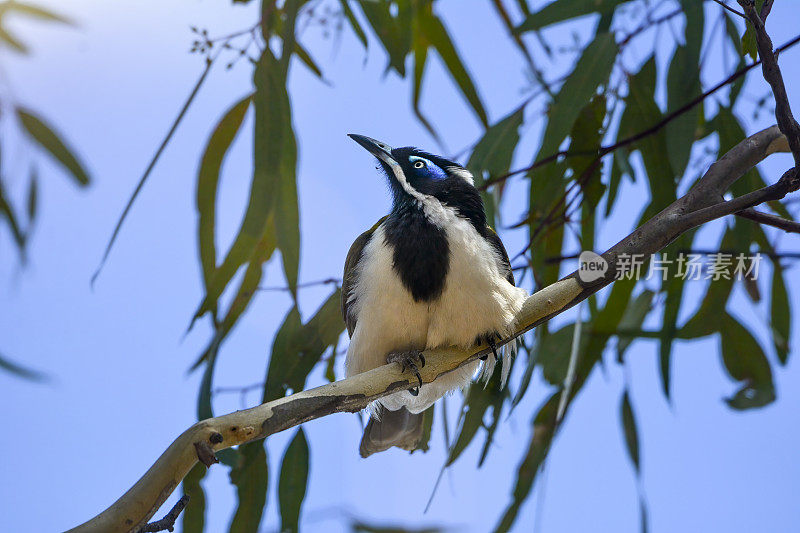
point(203, 439)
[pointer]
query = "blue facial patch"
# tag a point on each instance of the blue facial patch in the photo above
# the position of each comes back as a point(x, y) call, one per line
point(428, 168)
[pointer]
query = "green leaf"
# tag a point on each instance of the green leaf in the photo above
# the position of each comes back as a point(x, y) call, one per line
point(562, 10)
point(546, 194)
point(48, 139)
point(478, 401)
point(193, 518)
point(492, 156)
point(780, 314)
point(635, 313)
point(683, 85)
point(32, 202)
point(7, 212)
point(307, 60)
point(436, 33)
point(354, 23)
point(586, 137)
point(552, 353)
point(544, 425)
point(591, 70)
point(749, 45)
point(216, 149)
point(293, 481)
point(298, 347)
point(393, 32)
point(427, 427)
point(629, 429)
point(251, 478)
point(21, 371)
point(745, 361)
point(641, 112)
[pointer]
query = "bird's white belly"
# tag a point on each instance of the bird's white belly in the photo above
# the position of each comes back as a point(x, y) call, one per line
point(476, 299)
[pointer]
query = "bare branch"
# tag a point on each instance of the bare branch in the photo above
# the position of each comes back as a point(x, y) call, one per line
point(168, 522)
point(729, 8)
point(772, 74)
point(789, 226)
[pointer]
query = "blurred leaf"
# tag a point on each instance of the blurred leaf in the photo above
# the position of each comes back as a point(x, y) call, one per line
point(298, 347)
point(21, 371)
point(7, 212)
point(251, 479)
point(780, 314)
point(492, 156)
point(683, 85)
point(674, 290)
point(358, 526)
point(543, 429)
point(193, 518)
point(629, 429)
point(293, 481)
point(394, 32)
point(546, 193)
point(641, 111)
point(749, 45)
point(307, 60)
point(33, 11)
point(477, 403)
point(427, 426)
point(12, 41)
point(562, 10)
point(745, 361)
point(552, 354)
point(208, 181)
point(32, 201)
point(436, 33)
point(51, 141)
point(420, 48)
point(354, 23)
point(586, 137)
point(733, 33)
point(591, 70)
point(634, 316)
point(620, 166)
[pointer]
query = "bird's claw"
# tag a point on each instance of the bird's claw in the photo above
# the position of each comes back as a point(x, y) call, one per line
point(409, 360)
point(490, 339)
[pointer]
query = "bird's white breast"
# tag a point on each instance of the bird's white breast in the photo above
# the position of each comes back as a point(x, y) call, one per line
point(476, 299)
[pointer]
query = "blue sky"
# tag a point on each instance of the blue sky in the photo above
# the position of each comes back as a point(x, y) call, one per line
point(120, 392)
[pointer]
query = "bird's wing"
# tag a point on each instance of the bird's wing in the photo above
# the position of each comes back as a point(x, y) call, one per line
point(505, 263)
point(350, 275)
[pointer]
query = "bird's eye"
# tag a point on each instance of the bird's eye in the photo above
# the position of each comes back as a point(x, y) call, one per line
point(419, 164)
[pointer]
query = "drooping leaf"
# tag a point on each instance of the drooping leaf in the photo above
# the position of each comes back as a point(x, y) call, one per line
point(427, 427)
point(436, 33)
point(544, 425)
point(591, 70)
point(293, 481)
point(193, 518)
point(33, 11)
point(586, 137)
point(393, 32)
point(298, 347)
point(492, 156)
point(12, 41)
point(683, 85)
point(629, 429)
point(641, 111)
point(477, 403)
point(251, 479)
point(780, 314)
point(51, 141)
point(562, 10)
point(22, 371)
point(354, 23)
point(7, 213)
point(208, 181)
point(632, 319)
point(745, 362)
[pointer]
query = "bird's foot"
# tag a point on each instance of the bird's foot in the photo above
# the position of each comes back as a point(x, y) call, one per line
point(409, 360)
point(490, 339)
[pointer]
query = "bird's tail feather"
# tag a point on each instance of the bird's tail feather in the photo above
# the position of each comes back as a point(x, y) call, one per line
point(391, 428)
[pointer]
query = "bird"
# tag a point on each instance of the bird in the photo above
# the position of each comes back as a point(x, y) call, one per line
point(432, 273)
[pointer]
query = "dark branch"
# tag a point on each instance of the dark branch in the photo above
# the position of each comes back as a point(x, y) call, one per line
point(729, 8)
point(168, 522)
point(789, 226)
point(772, 74)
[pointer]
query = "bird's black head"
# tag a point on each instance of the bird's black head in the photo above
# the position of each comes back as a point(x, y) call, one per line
point(422, 180)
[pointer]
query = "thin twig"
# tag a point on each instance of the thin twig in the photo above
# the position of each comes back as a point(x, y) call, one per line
point(789, 226)
point(327, 281)
point(168, 522)
point(729, 8)
point(772, 74)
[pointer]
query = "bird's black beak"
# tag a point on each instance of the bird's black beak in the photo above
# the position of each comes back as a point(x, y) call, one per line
point(380, 150)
